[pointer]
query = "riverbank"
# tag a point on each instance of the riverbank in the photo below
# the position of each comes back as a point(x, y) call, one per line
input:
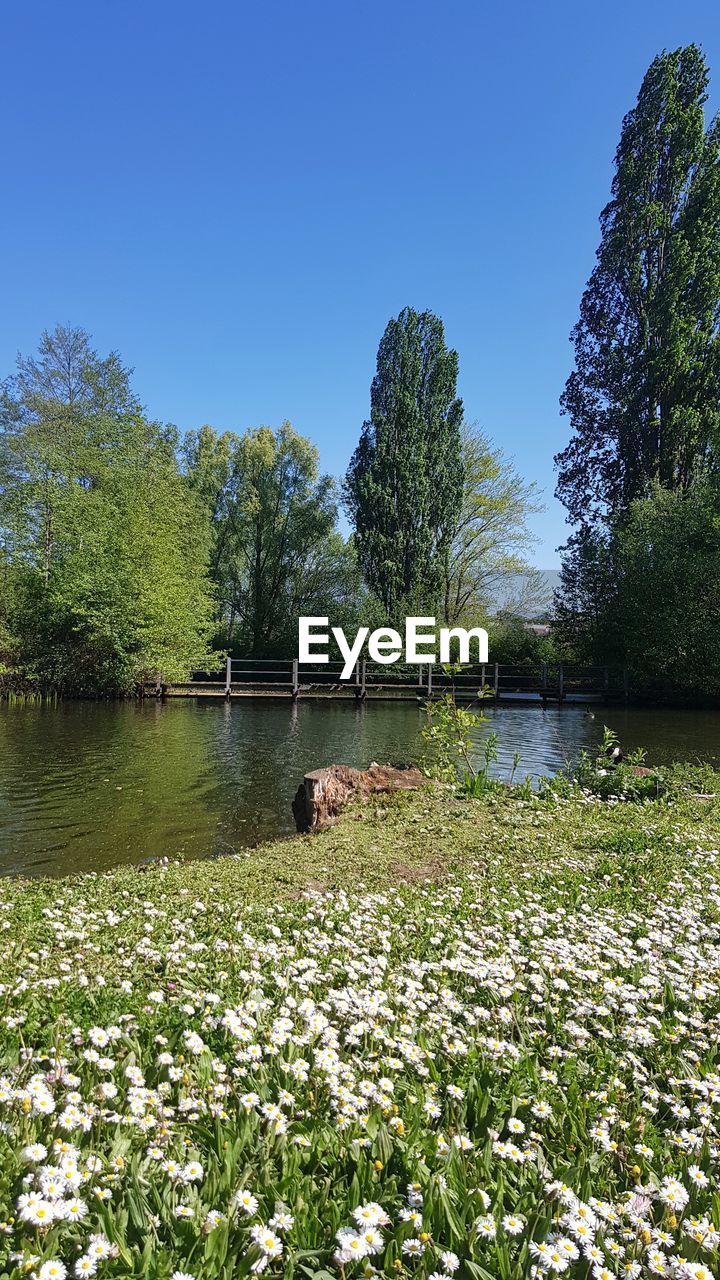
point(483, 1030)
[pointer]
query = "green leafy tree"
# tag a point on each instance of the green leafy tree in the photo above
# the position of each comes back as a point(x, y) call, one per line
point(587, 622)
point(643, 397)
point(491, 538)
point(642, 593)
point(668, 559)
point(275, 550)
point(10, 655)
point(130, 601)
point(514, 643)
point(104, 549)
point(209, 470)
point(403, 488)
point(332, 586)
point(62, 414)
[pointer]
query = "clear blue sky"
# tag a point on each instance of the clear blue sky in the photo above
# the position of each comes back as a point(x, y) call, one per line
point(238, 196)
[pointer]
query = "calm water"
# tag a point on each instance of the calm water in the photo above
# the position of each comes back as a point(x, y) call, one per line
point(87, 785)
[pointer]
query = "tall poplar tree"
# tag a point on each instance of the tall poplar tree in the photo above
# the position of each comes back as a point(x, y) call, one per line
point(403, 488)
point(644, 397)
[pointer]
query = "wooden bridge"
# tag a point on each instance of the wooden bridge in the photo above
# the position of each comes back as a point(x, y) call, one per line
point(258, 678)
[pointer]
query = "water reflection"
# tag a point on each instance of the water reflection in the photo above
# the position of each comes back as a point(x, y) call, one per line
point(87, 785)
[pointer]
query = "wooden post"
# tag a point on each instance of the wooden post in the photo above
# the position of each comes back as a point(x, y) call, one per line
point(420, 679)
point(228, 676)
point(561, 683)
point(497, 680)
point(362, 678)
point(295, 679)
point(482, 676)
point(429, 691)
point(544, 677)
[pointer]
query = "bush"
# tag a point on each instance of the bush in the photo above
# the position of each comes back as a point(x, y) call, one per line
point(610, 776)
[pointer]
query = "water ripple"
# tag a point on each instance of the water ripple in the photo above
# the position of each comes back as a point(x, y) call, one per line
point(87, 785)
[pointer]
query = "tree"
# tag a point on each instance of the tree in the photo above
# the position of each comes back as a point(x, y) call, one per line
point(331, 586)
point(643, 398)
point(587, 622)
point(515, 644)
point(130, 600)
point(104, 549)
point(273, 542)
point(209, 470)
point(62, 413)
point(668, 557)
point(491, 536)
point(403, 487)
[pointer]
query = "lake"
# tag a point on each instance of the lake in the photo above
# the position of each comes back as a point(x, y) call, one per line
point(86, 785)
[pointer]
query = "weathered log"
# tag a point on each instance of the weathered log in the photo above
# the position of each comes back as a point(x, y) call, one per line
point(323, 793)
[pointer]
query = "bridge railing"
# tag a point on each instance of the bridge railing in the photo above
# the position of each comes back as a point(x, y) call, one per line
point(548, 681)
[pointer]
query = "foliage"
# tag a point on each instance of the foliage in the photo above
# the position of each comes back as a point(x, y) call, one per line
point(609, 775)
point(643, 398)
point(104, 549)
point(514, 645)
point(450, 752)
point(587, 620)
point(276, 553)
point(511, 1062)
point(668, 555)
point(403, 488)
point(487, 551)
point(642, 595)
point(639, 477)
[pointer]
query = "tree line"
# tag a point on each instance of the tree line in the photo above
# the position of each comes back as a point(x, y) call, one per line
point(640, 477)
point(130, 553)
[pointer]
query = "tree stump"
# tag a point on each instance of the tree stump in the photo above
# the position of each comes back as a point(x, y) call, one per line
point(323, 792)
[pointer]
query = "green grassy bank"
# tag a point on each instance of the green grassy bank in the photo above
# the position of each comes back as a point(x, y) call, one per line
point(446, 1037)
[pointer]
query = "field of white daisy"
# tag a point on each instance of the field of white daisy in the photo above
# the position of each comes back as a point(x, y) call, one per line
point(449, 1037)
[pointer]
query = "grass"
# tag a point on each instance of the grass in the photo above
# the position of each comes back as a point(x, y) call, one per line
point(447, 1036)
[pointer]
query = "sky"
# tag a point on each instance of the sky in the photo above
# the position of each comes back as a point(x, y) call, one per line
point(237, 197)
